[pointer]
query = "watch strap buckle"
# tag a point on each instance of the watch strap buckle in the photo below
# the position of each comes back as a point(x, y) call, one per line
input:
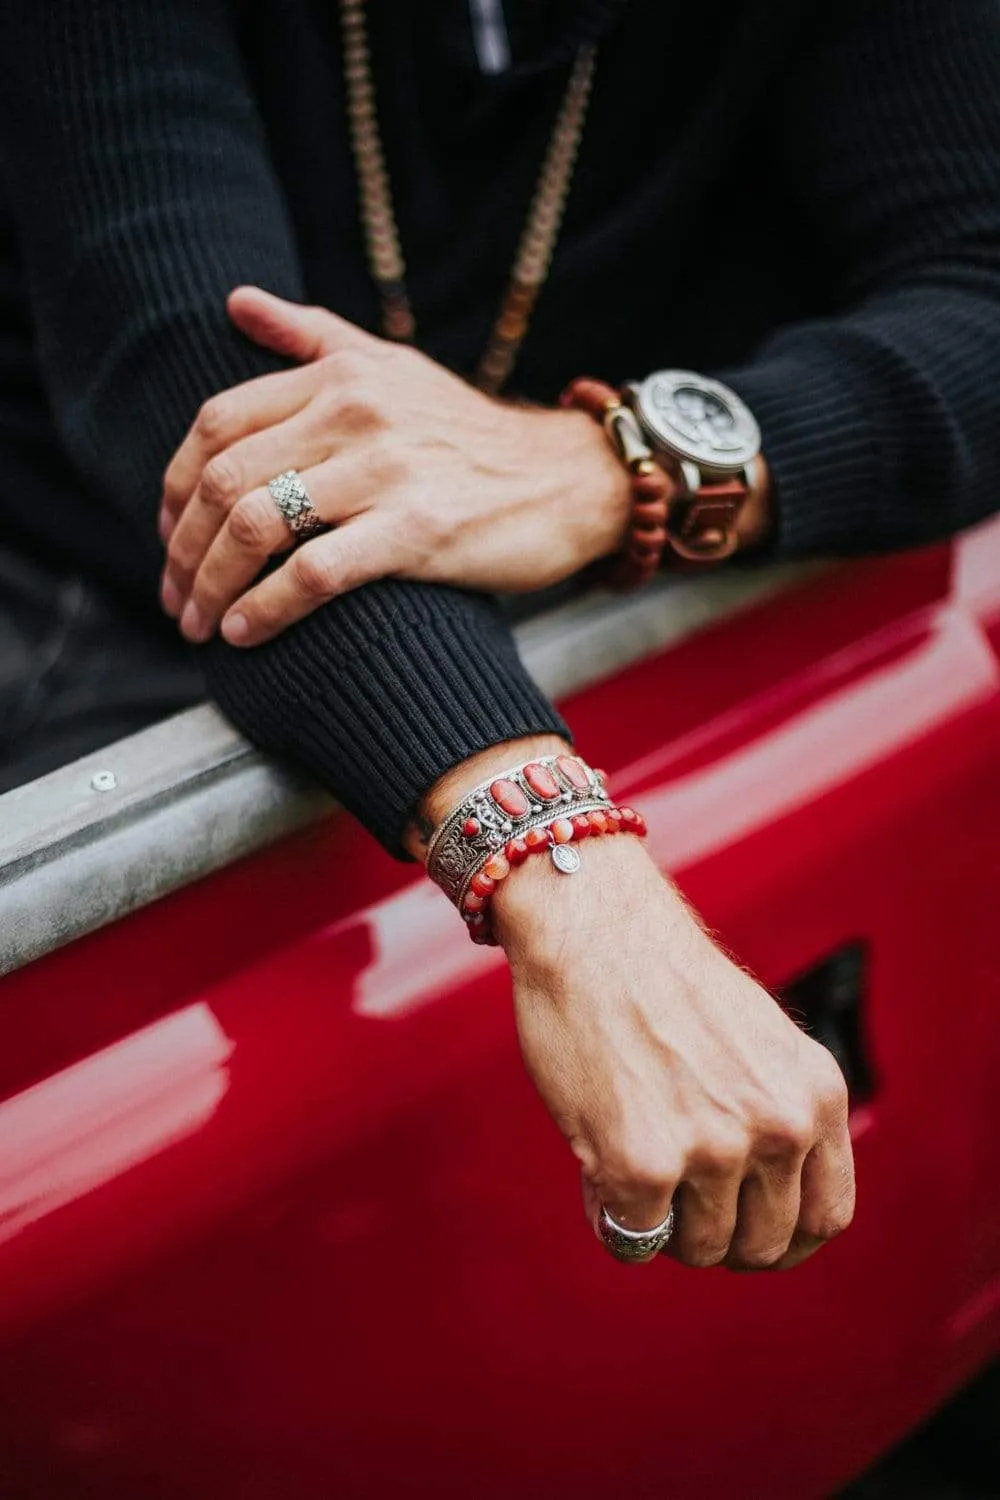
point(701, 524)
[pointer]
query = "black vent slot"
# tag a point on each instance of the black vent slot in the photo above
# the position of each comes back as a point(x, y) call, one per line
point(829, 1002)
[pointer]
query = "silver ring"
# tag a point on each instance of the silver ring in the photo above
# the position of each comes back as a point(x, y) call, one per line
point(293, 504)
point(633, 1244)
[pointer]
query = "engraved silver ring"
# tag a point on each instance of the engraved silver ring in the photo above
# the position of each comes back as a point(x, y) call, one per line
point(630, 1245)
point(294, 506)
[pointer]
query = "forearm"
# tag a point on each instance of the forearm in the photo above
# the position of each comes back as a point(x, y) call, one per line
point(879, 427)
point(382, 692)
point(159, 198)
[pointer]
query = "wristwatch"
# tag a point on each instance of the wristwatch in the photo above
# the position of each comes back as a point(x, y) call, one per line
point(708, 440)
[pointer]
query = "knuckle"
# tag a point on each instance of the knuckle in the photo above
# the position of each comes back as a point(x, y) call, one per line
point(181, 570)
point(213, 421)
point(220, 482)
point(587, 1156)
point(419, 543)
point(720, 1155)
point(342, 365)
point(325, 407)
point(704, 1251)
point(763, 1257)
point(787, 1132)
point(833, 1096)
point(389, 466)
point(360, 411)
point(172, 494)
point(313, 573)
point(249, 525)
point(182, 558)
point(638, 1171)
point(431, 527)
point(833, 1220)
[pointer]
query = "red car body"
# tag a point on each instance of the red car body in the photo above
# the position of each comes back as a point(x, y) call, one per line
point(281, 1216)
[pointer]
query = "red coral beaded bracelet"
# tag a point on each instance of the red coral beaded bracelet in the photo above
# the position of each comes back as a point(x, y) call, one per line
point(554, 838)
point(652, 487)
point(540, 807)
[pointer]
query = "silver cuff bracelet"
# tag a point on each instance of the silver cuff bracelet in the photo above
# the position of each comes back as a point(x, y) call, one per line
point(505, 807)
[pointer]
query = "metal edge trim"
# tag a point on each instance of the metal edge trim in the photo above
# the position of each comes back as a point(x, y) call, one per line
point(191, 796)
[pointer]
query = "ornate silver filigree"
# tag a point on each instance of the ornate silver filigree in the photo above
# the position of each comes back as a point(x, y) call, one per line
point(629, 1245)
point(453, 857)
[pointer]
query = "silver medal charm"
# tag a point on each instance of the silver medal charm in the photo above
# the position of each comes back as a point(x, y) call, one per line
point(565, 858)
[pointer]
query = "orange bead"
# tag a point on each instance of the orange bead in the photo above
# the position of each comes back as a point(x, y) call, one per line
point(651, 486)
point(537, 838)
point(517, 851)
point(581, 826)
point(497, 867)
point(652, 516)
point(563, 831)
point(598, 822)
point(473, 903)
point(648, 544)
point(482, 885)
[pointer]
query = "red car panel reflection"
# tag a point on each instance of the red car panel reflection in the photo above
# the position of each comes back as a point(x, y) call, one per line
point(280, 1214)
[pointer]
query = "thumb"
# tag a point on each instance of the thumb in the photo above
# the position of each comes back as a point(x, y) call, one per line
point(302, 333)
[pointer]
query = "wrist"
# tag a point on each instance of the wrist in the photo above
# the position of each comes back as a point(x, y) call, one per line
point(618, 893)
point(756, 516)
point(599, 481)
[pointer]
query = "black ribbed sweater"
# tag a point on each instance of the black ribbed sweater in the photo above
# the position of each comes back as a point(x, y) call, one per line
point(803, 198)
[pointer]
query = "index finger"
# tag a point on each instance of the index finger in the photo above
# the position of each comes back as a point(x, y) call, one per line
point(316, 572)
point(222, 420)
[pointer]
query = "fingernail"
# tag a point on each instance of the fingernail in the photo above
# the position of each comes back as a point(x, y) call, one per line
point(166, 525)
point(170, 596)
point(235, 629)
point(194, 625)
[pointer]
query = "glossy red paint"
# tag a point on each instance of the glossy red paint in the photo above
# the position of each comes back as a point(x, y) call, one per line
point(281, 1216)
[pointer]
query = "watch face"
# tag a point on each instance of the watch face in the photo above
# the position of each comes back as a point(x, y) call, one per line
point(698, 419)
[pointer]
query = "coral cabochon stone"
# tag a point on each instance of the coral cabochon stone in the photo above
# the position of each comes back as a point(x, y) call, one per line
point(509, 798)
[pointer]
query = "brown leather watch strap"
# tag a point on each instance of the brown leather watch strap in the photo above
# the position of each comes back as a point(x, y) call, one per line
point(702, 526)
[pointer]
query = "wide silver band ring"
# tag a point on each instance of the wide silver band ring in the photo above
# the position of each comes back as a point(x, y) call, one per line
point(629, 1245)
point(294, 506)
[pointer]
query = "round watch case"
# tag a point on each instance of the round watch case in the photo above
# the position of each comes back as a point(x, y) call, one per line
point(696, 419)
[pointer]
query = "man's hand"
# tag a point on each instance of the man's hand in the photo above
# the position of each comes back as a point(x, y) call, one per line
point(672, 1074)
point(421, 475)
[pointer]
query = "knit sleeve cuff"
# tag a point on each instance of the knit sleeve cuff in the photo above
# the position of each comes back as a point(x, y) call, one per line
point(818, 440)
point(380, 693)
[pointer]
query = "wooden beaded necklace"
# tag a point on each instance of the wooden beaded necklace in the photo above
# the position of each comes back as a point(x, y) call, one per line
point(538, 238)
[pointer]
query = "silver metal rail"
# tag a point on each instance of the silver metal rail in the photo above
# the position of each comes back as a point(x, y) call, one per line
point(97, 839)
